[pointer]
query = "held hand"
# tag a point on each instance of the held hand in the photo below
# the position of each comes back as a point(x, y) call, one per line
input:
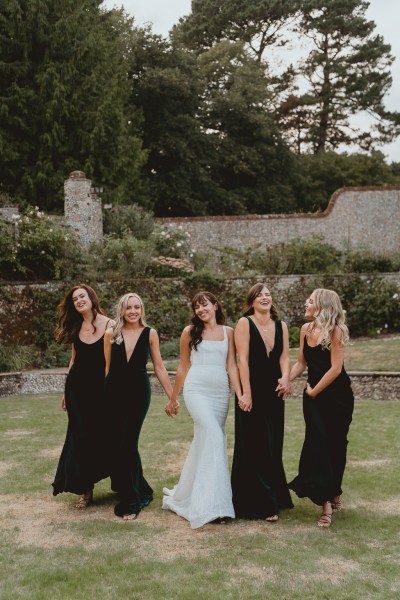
point(172, 408)
point(284, 388)
point(310, 391)
point(245, 403)
point(63, 405)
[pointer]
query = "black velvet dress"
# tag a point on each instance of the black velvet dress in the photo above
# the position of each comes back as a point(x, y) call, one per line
point(82, 462)
point(128, 400)
point(327, 418)
point(258, 478)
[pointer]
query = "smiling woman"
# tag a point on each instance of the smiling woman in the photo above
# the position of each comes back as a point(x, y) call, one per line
point(82, 462)
point(127, 346)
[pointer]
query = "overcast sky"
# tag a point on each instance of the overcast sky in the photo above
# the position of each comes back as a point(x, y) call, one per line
point(163, 14)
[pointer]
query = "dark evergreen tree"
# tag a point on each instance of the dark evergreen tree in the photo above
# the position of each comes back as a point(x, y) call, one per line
point(64, 100)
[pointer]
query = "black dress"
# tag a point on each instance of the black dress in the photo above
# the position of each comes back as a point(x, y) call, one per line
point(327, 418)
point(82, 462)
point(258, 478)
point(128, 399)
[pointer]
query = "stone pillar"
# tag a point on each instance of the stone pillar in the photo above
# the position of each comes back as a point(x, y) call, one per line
point(82, 209)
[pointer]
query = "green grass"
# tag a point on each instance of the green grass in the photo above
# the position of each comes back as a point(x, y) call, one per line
point(380, 354)
point(51, 550)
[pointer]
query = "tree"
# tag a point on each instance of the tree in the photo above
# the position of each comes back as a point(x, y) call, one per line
point(64, 91)
point(348, 72)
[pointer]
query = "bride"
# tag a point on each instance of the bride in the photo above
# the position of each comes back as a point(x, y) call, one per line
point(207, 356)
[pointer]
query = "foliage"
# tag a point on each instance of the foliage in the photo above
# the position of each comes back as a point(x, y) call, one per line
point(373, 306)
point(64, 94)
point(130, 219)
point(16, 358)
point(174, 243)
point(320, 175)
point(347, 72)
point(121, 257)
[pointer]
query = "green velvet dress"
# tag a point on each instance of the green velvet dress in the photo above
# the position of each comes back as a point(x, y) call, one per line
point(327, 418)
point(128, 400)
point(258, 478)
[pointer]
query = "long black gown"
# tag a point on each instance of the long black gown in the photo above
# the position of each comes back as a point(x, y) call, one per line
point(128, 400)
point(82, 462)
point(258, 478)
point(327, 418)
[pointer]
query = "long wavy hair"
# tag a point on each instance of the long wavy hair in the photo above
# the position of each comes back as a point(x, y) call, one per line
point(119, 316)
point(329, 314)
point(252, 295)
point(69, 319)
point(197, 325)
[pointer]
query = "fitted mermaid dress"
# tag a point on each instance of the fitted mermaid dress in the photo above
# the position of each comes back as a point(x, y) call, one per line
point(128, 396)
point(327, 418)
point(258, 477)
point(83, 462)
point(204, 493)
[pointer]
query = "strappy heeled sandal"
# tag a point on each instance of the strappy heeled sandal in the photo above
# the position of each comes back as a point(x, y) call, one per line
point(84, 502)
point(337, 505)
point(325, 520)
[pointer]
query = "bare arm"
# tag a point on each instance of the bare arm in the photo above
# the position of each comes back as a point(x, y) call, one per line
point(183, 368)
point(71, 362)
point(242, 342)
point(283, 387)
point(107, 347)
point(231, 365)
point(337, 359)
point(159, 367)
point(300, 365)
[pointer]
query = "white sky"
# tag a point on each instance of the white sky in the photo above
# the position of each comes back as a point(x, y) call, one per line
point(163, 14)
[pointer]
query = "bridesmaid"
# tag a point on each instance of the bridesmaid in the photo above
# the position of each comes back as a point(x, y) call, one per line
point(127, 346)
point(328, 403)
point(82, 323)
point(258, 478)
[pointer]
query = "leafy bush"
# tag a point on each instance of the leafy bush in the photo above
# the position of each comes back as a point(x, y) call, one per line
point(128, 219)
point(364, 261)
point(121, 257)
point(174, 243)
point(7, 250)
point(170, 348)
point(16, 358)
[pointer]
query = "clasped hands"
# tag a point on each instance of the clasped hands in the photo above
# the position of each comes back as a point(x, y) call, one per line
point(245, 402)
point(172, 408)
point(284, 388)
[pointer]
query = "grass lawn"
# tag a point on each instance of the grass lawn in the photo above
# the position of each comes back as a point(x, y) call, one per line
point(51, 550)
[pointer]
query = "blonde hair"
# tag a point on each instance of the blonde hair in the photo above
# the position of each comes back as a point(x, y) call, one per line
point(328, 315)
point(119, 316)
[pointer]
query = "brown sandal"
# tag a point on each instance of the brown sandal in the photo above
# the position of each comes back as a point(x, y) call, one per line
point(325, 520)
point(337, 505)
point(84, 501)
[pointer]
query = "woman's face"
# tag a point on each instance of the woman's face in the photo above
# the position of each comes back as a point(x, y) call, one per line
point(133, 310)
point(263, 301)
point(205, 310)
point(310, 307)
point(81, 300)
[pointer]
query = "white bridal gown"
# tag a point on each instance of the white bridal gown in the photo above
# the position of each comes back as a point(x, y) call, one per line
point(204, 490)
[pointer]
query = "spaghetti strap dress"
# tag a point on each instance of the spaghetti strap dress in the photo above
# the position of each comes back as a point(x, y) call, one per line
point(327, 419)
point(127, 391)
point(203, 492)
point(83, 462)
point(258, 477)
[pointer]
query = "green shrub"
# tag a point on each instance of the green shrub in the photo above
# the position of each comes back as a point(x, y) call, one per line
point(121, 257)
point(364, 261)
point(294, 337)
point(7, 250)
point(129, 219)
point(16, 358)
point(171, 242)
point(170, 348)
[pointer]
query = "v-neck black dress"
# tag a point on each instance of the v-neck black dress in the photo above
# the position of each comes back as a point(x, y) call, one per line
point(82, 462)
point(258, 478)
point(327, 418)
point(128, 400)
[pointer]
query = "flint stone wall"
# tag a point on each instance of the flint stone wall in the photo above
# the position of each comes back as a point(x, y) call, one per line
point(366, 217)
point(82, 209)
point(366, 385)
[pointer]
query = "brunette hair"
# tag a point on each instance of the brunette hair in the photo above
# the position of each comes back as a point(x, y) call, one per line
point(328, 315)
point(197, 325)
point(120, 312)
point(252, 295)
point(69, 320)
